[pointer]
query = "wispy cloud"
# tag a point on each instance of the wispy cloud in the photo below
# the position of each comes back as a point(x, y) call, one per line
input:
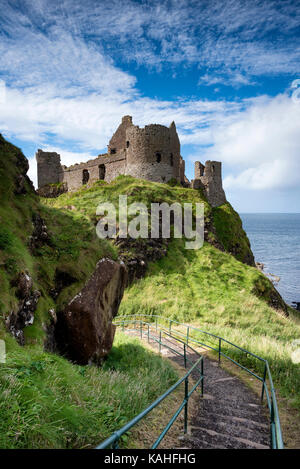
point(64, 66)
point(246, 38)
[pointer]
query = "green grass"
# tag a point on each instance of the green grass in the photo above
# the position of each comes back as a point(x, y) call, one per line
point(207, 287)
point(74, 246)
point(47, 402)
point(219, 294)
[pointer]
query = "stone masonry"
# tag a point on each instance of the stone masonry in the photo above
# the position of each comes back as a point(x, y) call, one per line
point(151, 153)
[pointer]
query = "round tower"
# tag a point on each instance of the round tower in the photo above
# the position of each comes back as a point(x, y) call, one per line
point(153, 152)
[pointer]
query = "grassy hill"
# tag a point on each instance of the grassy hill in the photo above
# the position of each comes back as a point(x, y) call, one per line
point(46, 401)
point(215, 287)
point(210, 288)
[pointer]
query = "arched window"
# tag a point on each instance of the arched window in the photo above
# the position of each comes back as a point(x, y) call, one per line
point(158, 157)
point(127, 144)
point(171, 159)
point(113, 151)
point(102, 171)
point(85, 176)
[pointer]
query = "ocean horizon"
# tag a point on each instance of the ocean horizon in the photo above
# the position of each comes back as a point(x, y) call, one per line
point(275, 241)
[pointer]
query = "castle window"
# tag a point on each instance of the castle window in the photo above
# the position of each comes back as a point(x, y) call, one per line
point(102, 171)
point(113, 151)
point(85, 176)
point(127, 144)
point(171, 159)
point(158, 157)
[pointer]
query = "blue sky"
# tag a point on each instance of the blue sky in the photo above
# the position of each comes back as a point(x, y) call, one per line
point(225, 71)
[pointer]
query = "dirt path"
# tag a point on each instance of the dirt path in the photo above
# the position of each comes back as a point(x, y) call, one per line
point(229, 414)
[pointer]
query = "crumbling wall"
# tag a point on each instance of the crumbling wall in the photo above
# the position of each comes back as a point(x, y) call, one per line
point(153, 152)
point(105, 167)
point(49, 169)
point(118, 142)
point(209, 178)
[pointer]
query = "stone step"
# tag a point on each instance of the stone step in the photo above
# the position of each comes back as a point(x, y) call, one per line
point(244, 410)
point(244, 421)
point(204, 436)
point(232, 428)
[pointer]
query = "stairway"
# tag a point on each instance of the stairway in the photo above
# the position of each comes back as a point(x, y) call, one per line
point(230, 414)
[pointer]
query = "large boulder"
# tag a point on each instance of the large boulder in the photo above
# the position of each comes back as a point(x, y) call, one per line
point(84, 330)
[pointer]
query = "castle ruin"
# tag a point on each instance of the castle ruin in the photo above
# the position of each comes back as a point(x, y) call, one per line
point(151, 153)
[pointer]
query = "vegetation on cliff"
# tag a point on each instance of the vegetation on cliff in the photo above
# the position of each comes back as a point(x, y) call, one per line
point(219, 290)
point(47, 401)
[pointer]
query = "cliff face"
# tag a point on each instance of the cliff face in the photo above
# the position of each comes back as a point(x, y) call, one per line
point(52, 243)
point(46, 256)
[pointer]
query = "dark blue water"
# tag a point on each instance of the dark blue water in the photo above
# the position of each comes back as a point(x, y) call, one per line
point(275, 241)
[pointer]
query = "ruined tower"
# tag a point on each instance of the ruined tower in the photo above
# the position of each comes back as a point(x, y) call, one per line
point(151, 153)
point(49, 169)
point(209, 178)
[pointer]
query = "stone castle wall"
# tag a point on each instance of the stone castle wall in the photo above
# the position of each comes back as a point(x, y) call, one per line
point(151, 153)
point(49, 168)
point(209, 178)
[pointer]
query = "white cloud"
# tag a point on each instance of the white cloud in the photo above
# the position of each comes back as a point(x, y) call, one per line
point(63, 86)
point(261, 145)
point(239, 38)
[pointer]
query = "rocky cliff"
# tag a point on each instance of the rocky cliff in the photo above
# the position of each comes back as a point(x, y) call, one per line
point(46, 258)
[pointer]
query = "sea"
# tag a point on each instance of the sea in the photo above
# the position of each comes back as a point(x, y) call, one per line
point(275, 241)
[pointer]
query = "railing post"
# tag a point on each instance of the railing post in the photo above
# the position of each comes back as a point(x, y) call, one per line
point(148, 333)
point(184, 355)
point(159, 341)
point(187, 335)
point(156, 325)
point(272, 424)
point(220, 349)
point(170, 326)
point(115, 444)
point(263, 384)
point(186, 397)
point(202, 374)
point(123, 326)
point(141, 329)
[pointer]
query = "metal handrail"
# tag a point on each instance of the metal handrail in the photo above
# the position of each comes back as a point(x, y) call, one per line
point(275, 427)
point(113, 440)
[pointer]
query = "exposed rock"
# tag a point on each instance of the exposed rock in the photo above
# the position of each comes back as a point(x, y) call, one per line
point(84, 331)
point(50, 342)
point(52, 190)
point(40, 234)
point(296, 305)
point(23, 283)
point(62, 279)
point(22, 181)
point(210, 235)
point(22, 163)
point(265, 289)
point(20, 185)
point(260, 265)
point(24, 316)
point(137, 253)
